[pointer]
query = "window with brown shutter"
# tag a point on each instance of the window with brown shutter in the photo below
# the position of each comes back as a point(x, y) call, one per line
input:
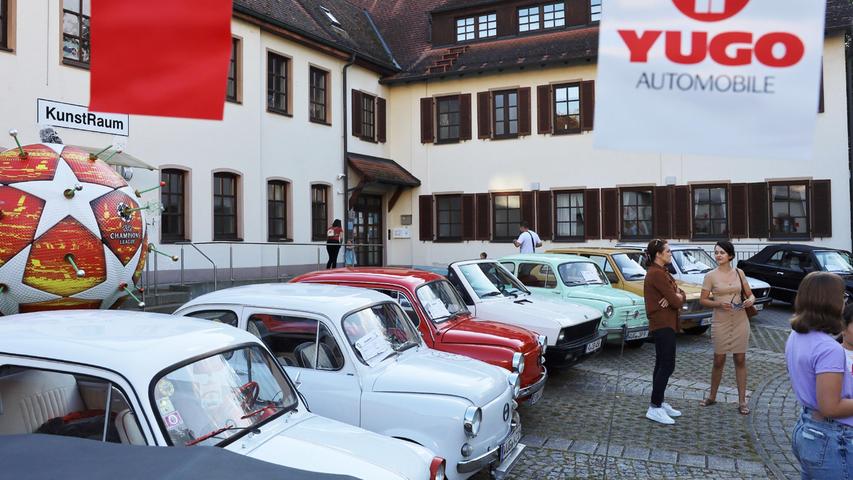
point(610, 217)
point(427, 108)
point(505, 114)
point(483, 213)
point(757, 204)
point(506, 211)
point(567, 108)
point(662, 217)
point(465, 116)
point(524, 111)
point(738, 213)
point(380, 119)
point(592, 213)
point(484, 115)
point(543, 109)
point(425, 223)
point(448, 119)
point(448, 221)
point(710, 211)
point(468, 218)
point(570, 214)
point(789, 209)
point(356, 113)
point(681, 212)
point(528, 209)
point(544, 216)
point(368, 117)
point(637, 214)
point(821, 208)
point(587, 104)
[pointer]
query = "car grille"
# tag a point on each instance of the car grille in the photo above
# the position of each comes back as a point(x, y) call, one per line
point(761, 292)
point(581, 331)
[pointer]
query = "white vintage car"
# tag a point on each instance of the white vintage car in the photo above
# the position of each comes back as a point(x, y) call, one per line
point(356, 357)
point(492, 292)
point(163, 380)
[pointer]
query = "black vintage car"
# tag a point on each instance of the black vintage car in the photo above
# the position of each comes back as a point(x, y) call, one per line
point(784, 267)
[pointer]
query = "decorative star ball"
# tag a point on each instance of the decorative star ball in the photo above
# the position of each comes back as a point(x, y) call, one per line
point(70, 234)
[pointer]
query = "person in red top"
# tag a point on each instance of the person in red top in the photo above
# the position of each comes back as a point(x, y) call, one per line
point(333, 243)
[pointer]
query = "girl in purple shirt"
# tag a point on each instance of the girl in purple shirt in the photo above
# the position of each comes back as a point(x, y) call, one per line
point(817, 366)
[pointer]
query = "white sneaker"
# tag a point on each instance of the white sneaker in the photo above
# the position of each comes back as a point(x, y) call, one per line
point(659, 415)
point(670, 411)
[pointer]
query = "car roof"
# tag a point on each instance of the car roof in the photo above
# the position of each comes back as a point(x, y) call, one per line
point(132, 343)
point(545, 257)
point(332, 301)
point(397, 276)
point(598, 250)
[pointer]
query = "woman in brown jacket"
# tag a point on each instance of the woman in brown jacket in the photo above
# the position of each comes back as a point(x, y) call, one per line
point(663, 302)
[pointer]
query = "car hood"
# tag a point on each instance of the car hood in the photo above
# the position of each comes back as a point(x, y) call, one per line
point(698, 278)
point(484, 332)
point(693, 291)
point(605, 293)
point(433, 372)
point(319, 444)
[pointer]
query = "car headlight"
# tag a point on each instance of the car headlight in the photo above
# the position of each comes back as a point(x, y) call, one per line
point(543, 343)
point(561, 336)
point(515, 382)
point(472, 420)
point(608, 312)
point(518, 363)
point(436, 469)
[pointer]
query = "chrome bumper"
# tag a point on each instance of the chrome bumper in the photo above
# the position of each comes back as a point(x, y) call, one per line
point(493, 455)
point(539, 385)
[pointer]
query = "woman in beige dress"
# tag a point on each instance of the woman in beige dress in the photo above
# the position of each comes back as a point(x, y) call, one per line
point(730, 330)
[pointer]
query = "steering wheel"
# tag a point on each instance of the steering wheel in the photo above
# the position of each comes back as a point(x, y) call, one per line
point(250, 391)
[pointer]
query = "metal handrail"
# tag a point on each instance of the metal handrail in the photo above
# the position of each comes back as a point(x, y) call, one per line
point(202, 254)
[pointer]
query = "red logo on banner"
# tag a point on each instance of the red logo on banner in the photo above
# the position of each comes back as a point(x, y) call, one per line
point(710, 10)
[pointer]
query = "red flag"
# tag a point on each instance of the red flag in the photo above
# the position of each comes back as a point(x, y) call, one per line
point(160, 57)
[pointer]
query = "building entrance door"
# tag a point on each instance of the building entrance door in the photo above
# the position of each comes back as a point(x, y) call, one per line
point(367, 229)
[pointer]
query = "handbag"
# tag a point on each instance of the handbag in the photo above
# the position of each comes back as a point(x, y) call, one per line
point(751, 311)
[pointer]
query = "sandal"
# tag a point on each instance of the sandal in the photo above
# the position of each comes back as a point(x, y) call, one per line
point(743, 409)
point(707, 402)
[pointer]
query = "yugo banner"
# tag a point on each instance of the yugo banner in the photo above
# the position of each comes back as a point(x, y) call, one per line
point(712, 77)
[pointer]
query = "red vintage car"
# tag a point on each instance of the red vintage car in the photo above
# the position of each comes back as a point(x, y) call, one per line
point(446, 324)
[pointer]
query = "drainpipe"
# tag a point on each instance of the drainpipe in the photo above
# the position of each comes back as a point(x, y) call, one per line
point(346, 231)
point(848, 57)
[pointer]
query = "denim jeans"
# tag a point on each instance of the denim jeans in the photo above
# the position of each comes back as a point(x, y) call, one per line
point(824, 448)
point(664, 363)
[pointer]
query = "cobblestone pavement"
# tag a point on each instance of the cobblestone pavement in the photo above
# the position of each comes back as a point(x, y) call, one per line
point(567, 432)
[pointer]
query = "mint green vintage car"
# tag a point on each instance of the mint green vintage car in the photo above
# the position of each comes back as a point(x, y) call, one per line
point(580, 280)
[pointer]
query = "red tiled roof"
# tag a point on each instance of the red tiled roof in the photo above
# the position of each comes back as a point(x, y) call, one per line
point(381, 170)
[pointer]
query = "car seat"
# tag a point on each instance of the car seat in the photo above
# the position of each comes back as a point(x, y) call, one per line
point(30, 398)
point(306, 352)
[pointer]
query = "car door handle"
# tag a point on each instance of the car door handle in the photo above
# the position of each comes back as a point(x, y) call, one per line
point(780, 273)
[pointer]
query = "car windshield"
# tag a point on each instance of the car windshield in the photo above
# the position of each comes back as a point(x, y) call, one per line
point(629, 265)
point(582, 273)
point(379, 332)
point(490, 279)
point(440, 301)
point(693, 261)
point(832, 261)
point(216, 399)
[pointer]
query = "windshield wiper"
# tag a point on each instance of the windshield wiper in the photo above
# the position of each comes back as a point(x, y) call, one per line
point(407, 346)
point(218, 431)
point(269, 406)
point(575, 283)
point(490, 294)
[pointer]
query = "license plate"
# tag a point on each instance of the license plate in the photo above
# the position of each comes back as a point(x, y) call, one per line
point(511, 442)
point(535, 397)
point(637, 335)
point(705, 321)
point(591, 347)
point(759, 306)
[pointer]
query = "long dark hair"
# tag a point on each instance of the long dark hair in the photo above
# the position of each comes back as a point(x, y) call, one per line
point(653, 248)
point(336, 223)
point(819, 304)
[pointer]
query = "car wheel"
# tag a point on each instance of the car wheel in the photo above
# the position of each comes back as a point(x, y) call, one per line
point(697, 330)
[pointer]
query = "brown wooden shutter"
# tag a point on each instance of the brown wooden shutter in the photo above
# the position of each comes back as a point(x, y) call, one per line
point(427, 121)
point(544, 215)
point(484, 217)
point(821, 221)
point(425, 214)
point(524, 111)
point(380, 119)
point(543, 109)
point(610, 213)
point(592, 213)
point(469, 219)
point(484, 115)
point(759, 225)
point(738, 204)
point(587, 104)
point(681, 212)
point(465, 116)
point(356, 113)
point(662, 212)
point(528, 209)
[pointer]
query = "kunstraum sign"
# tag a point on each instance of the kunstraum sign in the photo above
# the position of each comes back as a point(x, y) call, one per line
point(78, 117)
point(713, 77)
